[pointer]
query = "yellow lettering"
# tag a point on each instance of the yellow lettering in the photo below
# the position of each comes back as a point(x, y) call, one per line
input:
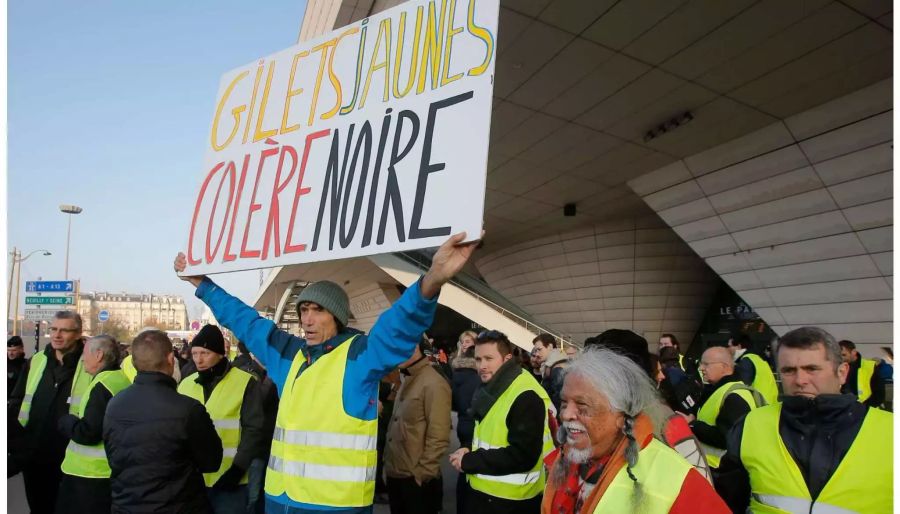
point(431, 52)
point(448, 44)
point(384, 32)
point(315, 98)
point(332, 76)
point(359, 55)
point(398, 54)
point(259, 69)
point(291, 93)
point(482, 34)
point(236, 112)
point(259, 134)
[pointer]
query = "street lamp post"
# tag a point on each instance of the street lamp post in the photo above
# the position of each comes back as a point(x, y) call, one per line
point(17, 261)
point(70, 210)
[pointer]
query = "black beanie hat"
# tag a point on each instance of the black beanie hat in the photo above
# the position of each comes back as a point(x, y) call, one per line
point(14, 341)
point(211, 338)
point(626, 343)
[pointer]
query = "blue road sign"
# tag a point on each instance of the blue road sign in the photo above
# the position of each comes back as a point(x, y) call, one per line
point(46, 286)
point(103, 316)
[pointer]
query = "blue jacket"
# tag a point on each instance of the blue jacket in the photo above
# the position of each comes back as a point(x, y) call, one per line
point(392, 341)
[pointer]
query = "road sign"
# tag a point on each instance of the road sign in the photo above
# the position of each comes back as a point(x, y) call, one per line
point(39, 314)
point(49, 300)
point(195, 325)
point(103, 316)
point(48, 286)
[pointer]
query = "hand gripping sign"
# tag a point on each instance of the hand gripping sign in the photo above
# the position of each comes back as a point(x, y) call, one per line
point(370, 139)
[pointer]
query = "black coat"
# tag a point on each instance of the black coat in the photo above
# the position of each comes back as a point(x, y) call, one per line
point(159, 443)
point(464, 383)
point(14, 369)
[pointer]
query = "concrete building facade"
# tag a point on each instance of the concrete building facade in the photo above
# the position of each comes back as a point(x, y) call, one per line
point(133, 310)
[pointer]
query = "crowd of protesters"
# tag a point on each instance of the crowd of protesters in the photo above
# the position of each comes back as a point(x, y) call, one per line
point(338, 419)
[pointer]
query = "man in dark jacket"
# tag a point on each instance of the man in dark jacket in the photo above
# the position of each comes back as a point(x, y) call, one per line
point(215, 384)
point(85, 486)
point(863, 379)
point(504, 466)
point(159, 443)
point(50, 388)
point(465, 382)
point(15, 362)
point(818, 430)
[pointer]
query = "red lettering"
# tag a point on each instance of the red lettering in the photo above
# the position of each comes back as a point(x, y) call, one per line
point(212, 213)
point(190, 250)
point(273, 221)
point(288, 247)
point(227, 256)
point(253, 205)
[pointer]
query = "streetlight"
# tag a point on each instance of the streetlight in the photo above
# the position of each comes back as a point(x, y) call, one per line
point(17, 259)
point(70, 210)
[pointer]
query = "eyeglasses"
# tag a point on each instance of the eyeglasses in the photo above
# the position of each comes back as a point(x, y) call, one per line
point(54, 330)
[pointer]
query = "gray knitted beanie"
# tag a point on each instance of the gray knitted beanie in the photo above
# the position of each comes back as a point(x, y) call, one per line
point(330, 296)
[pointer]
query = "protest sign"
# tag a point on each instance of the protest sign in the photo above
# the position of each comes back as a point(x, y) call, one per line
point(370, 139)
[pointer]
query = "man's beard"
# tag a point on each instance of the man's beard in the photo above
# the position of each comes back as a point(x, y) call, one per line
point(572, 454)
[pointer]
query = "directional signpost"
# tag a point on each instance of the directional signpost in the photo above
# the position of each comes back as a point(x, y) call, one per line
point(49, 300)
point(53, 294)
point(39, 314)
point(48, 286)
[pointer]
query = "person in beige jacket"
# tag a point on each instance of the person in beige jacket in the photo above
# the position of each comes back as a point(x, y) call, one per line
point(417, 438)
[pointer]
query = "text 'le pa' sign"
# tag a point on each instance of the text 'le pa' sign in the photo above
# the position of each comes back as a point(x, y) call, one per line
point(370, 139)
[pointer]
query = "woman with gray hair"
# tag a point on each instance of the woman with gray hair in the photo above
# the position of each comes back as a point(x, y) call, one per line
point(85, 484)
point(609, 460)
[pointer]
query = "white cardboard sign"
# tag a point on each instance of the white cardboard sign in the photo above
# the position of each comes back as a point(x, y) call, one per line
point(370, 139)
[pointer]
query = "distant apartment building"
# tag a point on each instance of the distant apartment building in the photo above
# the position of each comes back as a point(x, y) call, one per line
point(133, 310)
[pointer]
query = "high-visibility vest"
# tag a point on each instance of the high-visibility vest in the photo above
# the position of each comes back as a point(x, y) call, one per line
point(864, 379)
point(862, 482)
point(80, 382)
point(681, 362)
point(660, 473)
point(128, 368)
point(764, 379)
point(320, 454)
point(710, 409)
point(89, 461)
point(491, 433)
point(224, 407)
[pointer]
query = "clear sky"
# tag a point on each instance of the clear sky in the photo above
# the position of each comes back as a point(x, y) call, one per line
point(109, 105)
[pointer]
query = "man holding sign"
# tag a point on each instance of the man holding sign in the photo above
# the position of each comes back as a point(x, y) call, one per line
point(323, 450)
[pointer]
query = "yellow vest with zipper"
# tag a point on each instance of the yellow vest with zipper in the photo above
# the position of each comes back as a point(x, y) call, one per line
point(710, 409)
point(764, 379)
point(128, 368)
point(224, 407)
point(862, 482)
point(491, 433)
point(89, 461)
point(864, 379)
point(320, 454)
point(80, 382)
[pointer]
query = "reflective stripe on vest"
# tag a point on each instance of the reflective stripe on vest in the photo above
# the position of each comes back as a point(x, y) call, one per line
point(660, 471)
point(224, 407)
point(320, 454)
point(864, 379)
point(128, 368)
point(778, 486)
point(90, 461)
point(81, 380)
point(491, 433)
point(709, 413)
point(763, 378)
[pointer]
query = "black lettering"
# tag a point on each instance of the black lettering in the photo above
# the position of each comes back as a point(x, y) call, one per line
point(365, 137)
point(376, 172)
point(392, 192)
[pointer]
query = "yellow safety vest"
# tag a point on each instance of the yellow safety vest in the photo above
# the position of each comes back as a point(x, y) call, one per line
point(320, 454)
point(491, 433)
point(660, 473)
point(862, 483)
point(224, 407)
point(710, 409)
point(764, 379)
point(128, 368)
point(80, 382)
point(864, 379)
point(89, 461)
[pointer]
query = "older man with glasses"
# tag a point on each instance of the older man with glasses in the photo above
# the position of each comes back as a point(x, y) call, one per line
point(53, 387)
point(725, 401)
